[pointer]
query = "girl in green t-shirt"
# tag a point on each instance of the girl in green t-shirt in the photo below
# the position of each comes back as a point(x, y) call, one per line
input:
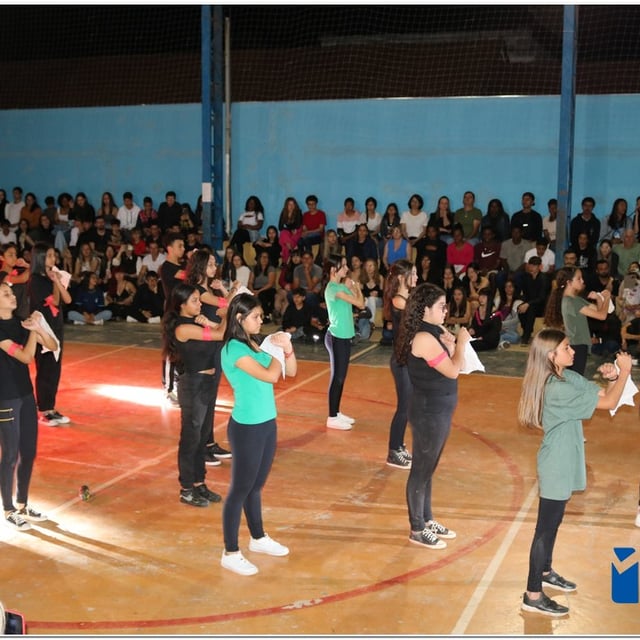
point(252, 428)
point(557, 400)
point(339, 298)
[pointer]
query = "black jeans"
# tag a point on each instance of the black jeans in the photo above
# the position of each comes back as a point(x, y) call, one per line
point(550, 514)
point(430, 420)
point(254, 447)
point(18, 444)
point(403, 395)
point(197, 399)
point(339, 352)
point(48, 371)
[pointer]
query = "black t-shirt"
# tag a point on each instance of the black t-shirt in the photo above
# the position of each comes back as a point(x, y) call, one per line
point(198, 355)
point(16, 382)
point(167, 274)
point(40, 288)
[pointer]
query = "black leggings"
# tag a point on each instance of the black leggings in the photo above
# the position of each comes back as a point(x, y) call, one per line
point(339, 352)
point(550, 513)
point(254, 447)
point(18, 443)
point(430, 419)
point(403, 395)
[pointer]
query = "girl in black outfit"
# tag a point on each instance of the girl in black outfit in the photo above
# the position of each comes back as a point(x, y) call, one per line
point(433, 358)
point(19, 416)
point(190, 342)
point(485, 324)
point(46, 295)
point(400, 281)
point(200, 273)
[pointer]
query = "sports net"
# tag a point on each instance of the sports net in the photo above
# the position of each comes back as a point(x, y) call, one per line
point(74, 56)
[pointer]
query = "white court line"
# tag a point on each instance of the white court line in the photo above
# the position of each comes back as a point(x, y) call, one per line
point(151, 462)
point(100, 355)
point(491, 570)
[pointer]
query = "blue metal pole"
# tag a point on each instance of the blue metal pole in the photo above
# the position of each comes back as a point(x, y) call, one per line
point(567, 126)
point(218, 126)
point(205, 74)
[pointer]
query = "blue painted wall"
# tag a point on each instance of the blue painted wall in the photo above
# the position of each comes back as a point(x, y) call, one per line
point(496, 147)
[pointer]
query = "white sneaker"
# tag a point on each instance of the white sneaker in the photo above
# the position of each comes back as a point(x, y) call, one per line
point(237, 563)
point(346, 418)
point(154, 320)
point(268, 545)
point(338, 423)
point(78, 322)
point(638, 518)
point(98, 322)
point(131, 319)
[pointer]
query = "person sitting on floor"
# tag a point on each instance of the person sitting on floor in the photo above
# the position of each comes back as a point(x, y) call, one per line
point(89, 304)
point(148, 302)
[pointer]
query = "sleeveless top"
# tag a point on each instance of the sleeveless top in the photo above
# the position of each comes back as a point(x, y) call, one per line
point(196, 355)
point(366, 291)
point(427, 379)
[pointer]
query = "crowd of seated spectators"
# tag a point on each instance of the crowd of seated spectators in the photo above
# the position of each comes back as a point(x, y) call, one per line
point(497, 269)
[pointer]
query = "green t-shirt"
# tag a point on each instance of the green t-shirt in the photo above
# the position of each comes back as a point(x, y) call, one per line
point(466, 218)
point(254, 401)
point(340, 312)
point(576, 325)
point(561, 463)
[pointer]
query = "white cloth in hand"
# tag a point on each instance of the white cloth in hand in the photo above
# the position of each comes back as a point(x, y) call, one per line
point(275, 350)
point(628, 392)
point(471, 360)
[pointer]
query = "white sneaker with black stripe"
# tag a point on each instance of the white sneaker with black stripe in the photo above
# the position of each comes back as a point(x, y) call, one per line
point(16, 521)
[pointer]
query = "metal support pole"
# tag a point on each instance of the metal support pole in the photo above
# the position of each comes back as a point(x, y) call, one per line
point(205, 81)
point(218, 126)
point(567, 126)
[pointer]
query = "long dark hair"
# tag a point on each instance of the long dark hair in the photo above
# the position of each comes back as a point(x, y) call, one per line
point(422, 297)
point(240, 307)
point(553, 310)
point(179, 296)
point(399, 270)
point(333, 260)
point(39, 258)
point(196, 270)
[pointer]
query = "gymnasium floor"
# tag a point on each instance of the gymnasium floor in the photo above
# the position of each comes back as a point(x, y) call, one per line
point(133, 560)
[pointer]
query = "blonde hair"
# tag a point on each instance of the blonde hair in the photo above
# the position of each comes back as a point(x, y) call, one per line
point(539, 369)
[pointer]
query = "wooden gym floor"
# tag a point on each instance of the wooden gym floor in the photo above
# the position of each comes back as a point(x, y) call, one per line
point(133, 560)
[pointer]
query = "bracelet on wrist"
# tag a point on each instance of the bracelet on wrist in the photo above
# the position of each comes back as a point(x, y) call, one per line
point(613, 379)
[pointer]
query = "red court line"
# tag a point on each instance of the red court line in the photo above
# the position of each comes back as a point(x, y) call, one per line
point(516, 501)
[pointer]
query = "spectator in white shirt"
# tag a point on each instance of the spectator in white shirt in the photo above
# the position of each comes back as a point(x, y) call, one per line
point(150, 262)
point(128, 213)
point(545, 254)
point(6, 235)
point(13, 210)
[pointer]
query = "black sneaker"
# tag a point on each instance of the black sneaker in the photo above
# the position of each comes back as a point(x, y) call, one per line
point(440, 530)
point(219, 452)
point(544, 605)
point(204, 492)
point(427, 539)
point(396, 459)
point(59, 417)
point(405, 452)
point(552, 579)
point(29, 513)
point(210, 458)
point(193, 497)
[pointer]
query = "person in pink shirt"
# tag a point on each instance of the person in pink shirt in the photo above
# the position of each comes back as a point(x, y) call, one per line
point(459, 252)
